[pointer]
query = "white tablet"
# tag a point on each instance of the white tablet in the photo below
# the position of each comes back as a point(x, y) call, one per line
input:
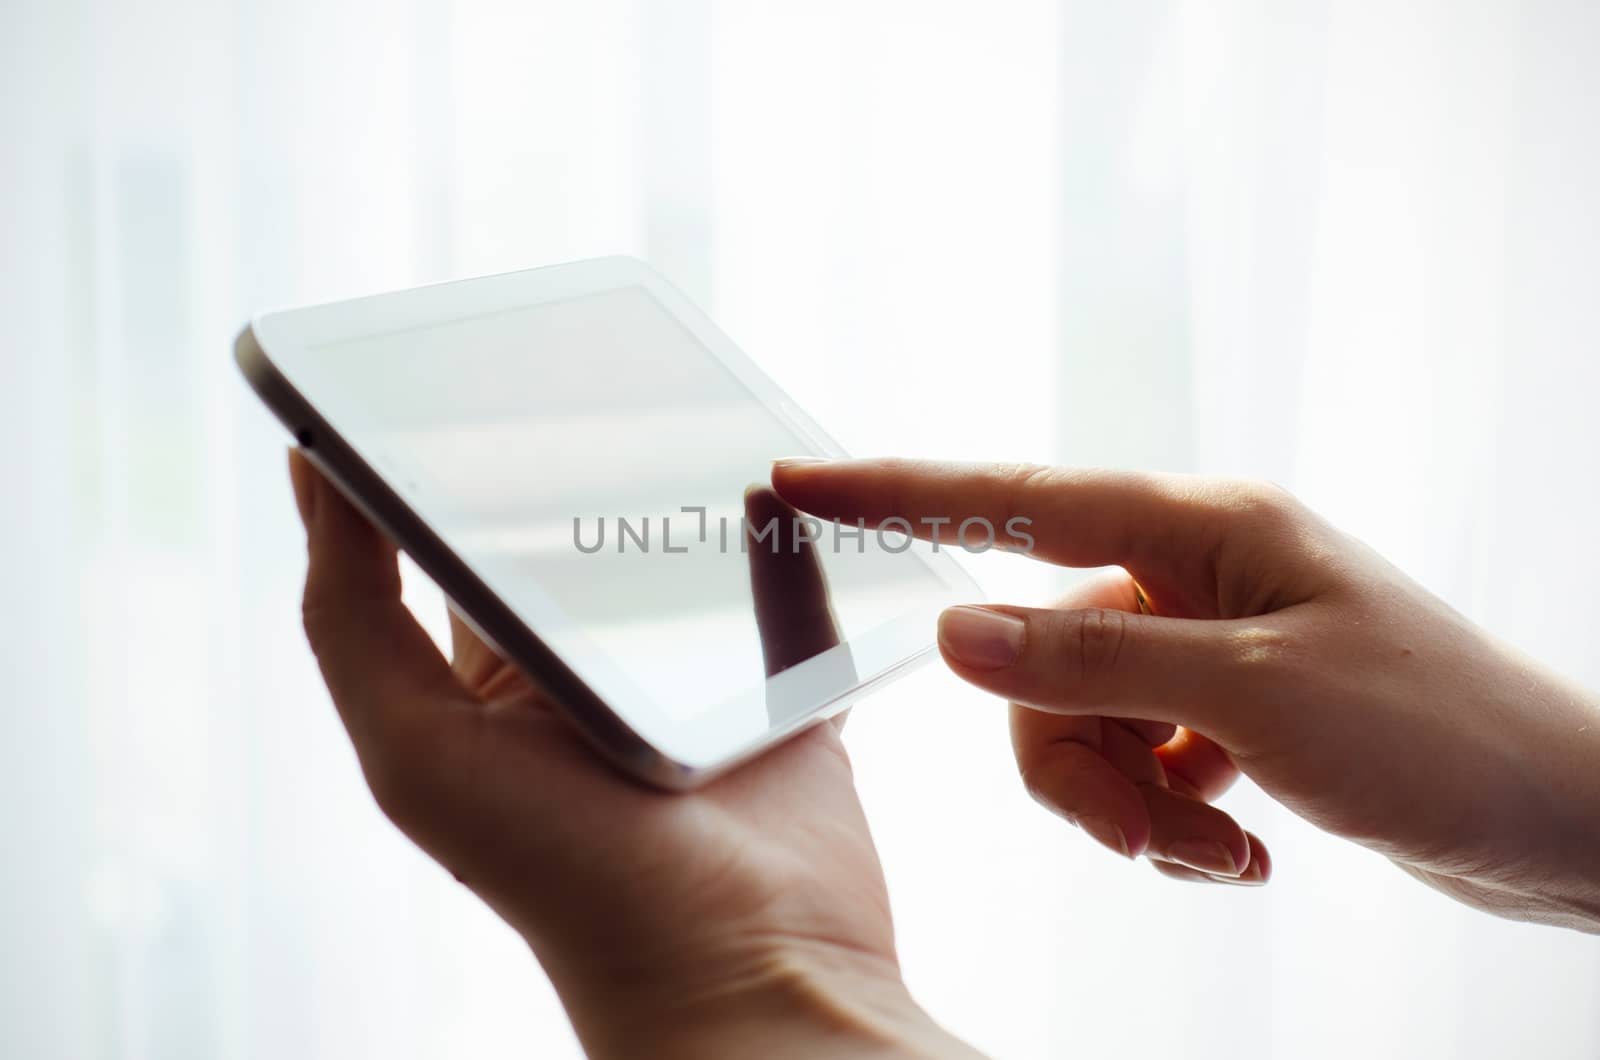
point(580, 459)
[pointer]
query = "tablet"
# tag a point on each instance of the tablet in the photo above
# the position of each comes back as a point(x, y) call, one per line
point(581, 461)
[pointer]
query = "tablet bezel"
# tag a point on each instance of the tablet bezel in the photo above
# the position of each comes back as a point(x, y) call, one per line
point(620, 719)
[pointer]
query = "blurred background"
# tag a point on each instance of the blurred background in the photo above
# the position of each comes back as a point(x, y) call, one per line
point(1348, 246)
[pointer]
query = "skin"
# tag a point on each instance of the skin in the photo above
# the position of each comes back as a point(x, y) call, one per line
point(750, 917)
point(746, 918)
point(1280, 648)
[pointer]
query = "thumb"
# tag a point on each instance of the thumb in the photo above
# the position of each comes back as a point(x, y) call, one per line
point(1205, 674)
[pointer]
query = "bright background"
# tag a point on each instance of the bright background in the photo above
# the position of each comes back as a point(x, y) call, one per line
point(1349, 245)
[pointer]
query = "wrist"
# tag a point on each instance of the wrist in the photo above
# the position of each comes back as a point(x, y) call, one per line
point(1572, 892)
point(1560, 878)
point(793, 998)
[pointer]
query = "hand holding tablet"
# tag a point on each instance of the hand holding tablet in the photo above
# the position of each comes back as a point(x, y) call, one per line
point(747, 912)
point(752, 910)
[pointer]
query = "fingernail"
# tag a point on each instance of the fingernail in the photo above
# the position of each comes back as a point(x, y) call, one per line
point(1250, 877)
point(786, 462)
point(1256, 873)
point(1204, 855)
point(980, 638)
point(1106, 834)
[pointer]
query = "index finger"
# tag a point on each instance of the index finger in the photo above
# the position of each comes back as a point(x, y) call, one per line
point(794, 613)
point(1072, 517)
point(393, 689)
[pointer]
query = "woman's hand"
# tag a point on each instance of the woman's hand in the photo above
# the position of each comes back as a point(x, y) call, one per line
point(747, 918)
point(1279, 647)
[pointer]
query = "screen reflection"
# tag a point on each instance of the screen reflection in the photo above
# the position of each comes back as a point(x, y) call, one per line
point(793, 608)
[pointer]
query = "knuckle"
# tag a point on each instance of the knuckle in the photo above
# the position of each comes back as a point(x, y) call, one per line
point(1038, 768)
point(314, 619)
point(1259, 502)
point(1027, 478)
point(1092, 641)
point(1021, 485)
point(1034, 781)
point(1046, 771)
point(316, 613)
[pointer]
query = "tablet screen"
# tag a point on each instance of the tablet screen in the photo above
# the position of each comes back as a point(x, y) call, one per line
point(601, 470)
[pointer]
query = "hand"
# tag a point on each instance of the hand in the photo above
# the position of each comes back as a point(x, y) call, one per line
point(748, 915)
point(1279, 647)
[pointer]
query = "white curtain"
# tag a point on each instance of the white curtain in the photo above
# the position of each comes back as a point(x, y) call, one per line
point(1350, 246)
